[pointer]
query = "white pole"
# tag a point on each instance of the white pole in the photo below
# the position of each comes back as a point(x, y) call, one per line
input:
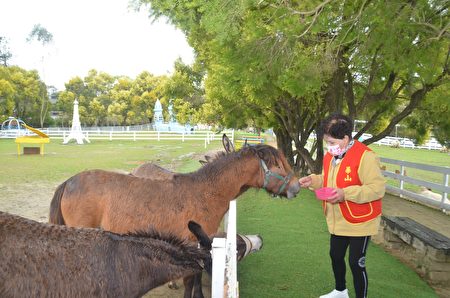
point(402, 172)
point(218, 257)
point(231, 252)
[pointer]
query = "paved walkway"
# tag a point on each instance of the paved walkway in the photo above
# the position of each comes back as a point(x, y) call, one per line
point(427, 216)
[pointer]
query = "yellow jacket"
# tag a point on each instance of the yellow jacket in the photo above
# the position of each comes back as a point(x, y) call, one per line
point(372, 188)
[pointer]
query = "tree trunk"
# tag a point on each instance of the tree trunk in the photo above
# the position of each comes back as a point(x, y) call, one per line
point(284, 143)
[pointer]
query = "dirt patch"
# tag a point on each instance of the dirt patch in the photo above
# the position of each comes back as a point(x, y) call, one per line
point(30, 200)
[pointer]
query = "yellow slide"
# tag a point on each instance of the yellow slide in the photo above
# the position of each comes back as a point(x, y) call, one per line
point(40, 138)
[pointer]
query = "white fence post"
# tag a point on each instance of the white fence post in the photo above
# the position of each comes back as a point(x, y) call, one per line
point(225, 266)
point(231, 252)
point(218, 277)
point(402, 172)
point(444, 194)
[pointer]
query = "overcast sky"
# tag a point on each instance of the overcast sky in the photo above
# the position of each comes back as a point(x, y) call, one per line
point(100, 34)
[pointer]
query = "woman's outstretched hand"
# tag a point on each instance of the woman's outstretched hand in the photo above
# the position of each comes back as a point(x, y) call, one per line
point(305, 182)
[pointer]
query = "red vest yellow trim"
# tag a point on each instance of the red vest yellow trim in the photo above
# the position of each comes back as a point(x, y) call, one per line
point(346, 176)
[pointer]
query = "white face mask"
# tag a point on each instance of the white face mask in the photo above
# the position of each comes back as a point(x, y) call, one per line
point(335, 150)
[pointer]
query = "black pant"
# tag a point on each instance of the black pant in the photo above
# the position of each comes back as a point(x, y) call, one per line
point(357, 262)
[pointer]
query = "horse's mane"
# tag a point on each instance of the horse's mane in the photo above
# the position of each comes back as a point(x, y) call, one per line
point(270, 155)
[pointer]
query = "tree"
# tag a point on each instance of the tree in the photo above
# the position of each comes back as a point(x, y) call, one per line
point(185, 89)
point(289, 63)
point(44, 37)
point(20, 94)
point(5, 53)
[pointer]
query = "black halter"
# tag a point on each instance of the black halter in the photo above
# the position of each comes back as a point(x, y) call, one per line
point(268, 173)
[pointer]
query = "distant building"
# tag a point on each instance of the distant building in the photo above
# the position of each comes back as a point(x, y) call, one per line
point(52, 94)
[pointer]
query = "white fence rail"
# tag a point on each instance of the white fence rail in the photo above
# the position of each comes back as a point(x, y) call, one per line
point(224, 275)
point(443, 189)
point(112, 135)
point(430, 144)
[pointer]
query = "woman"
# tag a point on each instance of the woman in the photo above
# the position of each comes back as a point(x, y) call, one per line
point(354, 208)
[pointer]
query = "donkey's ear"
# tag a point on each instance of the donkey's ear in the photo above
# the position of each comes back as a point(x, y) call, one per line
point(200, 234)
point(227, 144)
point(202, 162)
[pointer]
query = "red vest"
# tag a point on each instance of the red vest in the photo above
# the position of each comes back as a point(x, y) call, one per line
point(348, 175)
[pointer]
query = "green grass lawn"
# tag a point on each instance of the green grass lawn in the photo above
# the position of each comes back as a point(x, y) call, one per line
point(294, 261)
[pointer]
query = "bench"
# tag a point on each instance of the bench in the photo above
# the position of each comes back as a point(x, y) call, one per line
point(423, 249)
point(251, 140)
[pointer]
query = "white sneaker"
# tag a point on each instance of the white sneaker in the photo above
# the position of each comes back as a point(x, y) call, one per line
point(336, 294)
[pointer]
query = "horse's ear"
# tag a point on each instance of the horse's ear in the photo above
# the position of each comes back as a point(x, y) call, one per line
point(246, 144)
point(202, 162)
point(227, 144)
point(261, 155)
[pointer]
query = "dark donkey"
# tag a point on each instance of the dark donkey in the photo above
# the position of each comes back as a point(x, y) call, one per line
point(44, 260)
point(123, 203)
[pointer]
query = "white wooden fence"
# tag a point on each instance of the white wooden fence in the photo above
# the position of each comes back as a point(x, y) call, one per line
point(442, 188)
point(112, 135)
point(431, 144)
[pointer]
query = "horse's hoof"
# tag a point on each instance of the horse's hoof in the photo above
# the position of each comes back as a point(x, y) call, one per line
point(173, 285)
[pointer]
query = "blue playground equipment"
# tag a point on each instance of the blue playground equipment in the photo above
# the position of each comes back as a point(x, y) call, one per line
point(13, 128)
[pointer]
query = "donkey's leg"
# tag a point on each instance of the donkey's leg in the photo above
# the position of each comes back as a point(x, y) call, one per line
point(188, 286)
point(198, 293)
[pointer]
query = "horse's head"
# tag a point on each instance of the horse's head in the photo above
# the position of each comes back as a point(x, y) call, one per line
point(277, 178)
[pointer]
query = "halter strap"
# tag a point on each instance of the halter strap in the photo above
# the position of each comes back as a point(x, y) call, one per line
point(248, 245)
point(268, 173)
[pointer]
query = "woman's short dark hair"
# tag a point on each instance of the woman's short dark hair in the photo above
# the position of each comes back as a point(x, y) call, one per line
point(337, 126)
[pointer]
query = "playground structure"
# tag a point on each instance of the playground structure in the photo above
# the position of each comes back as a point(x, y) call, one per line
point(13, 128)
point(39, 138)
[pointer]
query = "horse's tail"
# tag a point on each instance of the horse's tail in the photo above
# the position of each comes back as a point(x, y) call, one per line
point(56, 216)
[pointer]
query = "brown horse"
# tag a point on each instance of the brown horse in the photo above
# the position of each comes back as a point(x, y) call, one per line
point(123, 203)
point(244, 243)
point(44, 260)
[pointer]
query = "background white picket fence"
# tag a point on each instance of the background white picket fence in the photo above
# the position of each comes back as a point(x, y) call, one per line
point(442, 189)
point(112, 135)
